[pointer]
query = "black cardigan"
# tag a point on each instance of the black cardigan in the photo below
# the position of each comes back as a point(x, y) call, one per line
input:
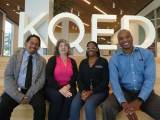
point(50, 80)
point(98, 75)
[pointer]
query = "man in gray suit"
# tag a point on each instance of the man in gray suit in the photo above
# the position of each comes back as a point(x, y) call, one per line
point(24, 80)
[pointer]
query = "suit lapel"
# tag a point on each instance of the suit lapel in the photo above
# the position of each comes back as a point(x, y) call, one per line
point(19, 62)
point(38, 68)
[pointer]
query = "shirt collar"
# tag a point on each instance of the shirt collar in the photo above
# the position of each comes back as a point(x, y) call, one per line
point(28, 54)
point(121, 52)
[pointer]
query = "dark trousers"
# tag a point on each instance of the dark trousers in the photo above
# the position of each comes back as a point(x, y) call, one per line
point(151, 106)
point(7, 104)
point(89, 106)
point(59, 106)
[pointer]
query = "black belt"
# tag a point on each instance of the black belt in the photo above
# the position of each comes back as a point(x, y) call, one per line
point(131, 91)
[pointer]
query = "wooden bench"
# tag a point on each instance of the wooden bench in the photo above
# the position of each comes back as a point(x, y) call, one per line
point(25, 112)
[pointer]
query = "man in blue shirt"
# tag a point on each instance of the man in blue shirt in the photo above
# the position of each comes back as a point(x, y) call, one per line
point(132, 77)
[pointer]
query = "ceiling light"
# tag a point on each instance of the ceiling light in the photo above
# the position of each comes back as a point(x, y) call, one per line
point(86, 24)
point(14, 10)
point(121, 12)
point(109, 42)
point(113, 5)
point(99, 9)
point(78, 13)
point(18, 7)
point(17, 13)
point(7, 4)
point(86, 1)
point(71, 10)
point(102, 38)
point(58, 26)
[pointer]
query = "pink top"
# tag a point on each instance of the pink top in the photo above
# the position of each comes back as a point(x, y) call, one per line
point(62, 72)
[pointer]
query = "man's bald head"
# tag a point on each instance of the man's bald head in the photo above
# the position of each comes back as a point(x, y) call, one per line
point(125, 39)
point(123, 31)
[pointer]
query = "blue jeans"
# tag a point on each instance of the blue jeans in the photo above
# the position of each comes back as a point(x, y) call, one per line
point(89, 106)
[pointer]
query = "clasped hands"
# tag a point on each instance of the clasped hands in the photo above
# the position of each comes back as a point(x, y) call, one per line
point(86, 94)
point(65, 91)
point(25, 100)
point(131, 108)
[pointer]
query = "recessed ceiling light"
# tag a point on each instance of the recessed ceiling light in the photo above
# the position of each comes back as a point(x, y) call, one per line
point(58, 26)
point(86, 24)
point(71, 10)
point(97, 8)
point(102, 38)
point(17, 13)
point(109, 42)
point(86, 1)
point(113, 5)
point(7, 4)
point(78, 13)
point(121, 12)
point(18, 7)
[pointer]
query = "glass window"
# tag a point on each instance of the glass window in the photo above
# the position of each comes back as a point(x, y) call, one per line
point(1, 32)
point(7, 47)
point(141, 34)
point(151, 17)
point(158, 16)
point(158, 35)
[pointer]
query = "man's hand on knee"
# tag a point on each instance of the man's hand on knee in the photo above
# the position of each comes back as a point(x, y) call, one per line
point(129, 110)
point(25, 100)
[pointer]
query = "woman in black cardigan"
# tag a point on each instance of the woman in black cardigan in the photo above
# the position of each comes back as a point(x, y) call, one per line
point(92, 83)
point(61, 75)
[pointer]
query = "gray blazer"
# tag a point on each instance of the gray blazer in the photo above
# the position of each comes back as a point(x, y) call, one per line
point(12, 72)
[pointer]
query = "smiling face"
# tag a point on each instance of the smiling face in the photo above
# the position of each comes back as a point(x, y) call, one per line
point(32, 45)
point(63, 48)
point(91, 50)
point(125, 40)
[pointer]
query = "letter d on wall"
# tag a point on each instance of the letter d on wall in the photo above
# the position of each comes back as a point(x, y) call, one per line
point(145, 23)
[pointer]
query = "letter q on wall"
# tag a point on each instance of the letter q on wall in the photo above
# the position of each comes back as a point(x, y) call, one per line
point(71, 17)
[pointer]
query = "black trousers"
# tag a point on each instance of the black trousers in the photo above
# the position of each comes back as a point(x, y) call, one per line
point(7, 104)
point(59, 106)
point(151, 106)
